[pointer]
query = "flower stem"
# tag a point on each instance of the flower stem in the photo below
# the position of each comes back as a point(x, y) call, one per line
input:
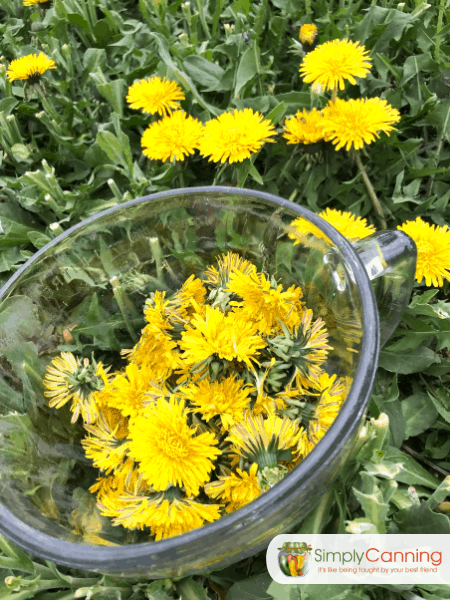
point(438, 151)
point(334, 94)
point(219, 173)
point(119, 296)
point(371, 192)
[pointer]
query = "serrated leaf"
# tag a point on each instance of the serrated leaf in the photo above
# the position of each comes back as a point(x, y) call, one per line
point(189, 589)
point(406, 363)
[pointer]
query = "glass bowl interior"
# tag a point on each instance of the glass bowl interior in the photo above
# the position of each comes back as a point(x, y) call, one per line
point(84, 293)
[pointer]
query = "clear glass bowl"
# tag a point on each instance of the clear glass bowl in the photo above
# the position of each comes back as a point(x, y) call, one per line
point(101, 270)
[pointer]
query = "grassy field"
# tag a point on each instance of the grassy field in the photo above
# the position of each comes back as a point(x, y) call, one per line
point(71, 147)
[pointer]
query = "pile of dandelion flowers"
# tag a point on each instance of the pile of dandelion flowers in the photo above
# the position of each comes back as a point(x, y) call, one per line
point(168, 450)
point(155, 95)
point(433, 251)
point(233, 137)
point(30, 67)
point(304, 128)
point(172, 138)
point(353, 123)
point(350, 226)
point(331, 63)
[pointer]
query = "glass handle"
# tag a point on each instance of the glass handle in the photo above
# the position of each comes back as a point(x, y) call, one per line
point(390, 260)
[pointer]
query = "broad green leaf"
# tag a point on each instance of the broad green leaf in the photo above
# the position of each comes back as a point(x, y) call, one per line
point(419, 414)
point(109, 143)
point(114, 92)
point(283, 591)
point(372, 502)
point(15, 224)
point(246, 71)
point(253, 588)
point(9, 257)
point(407, 363)
point(20, 152)
point(440, 397)
point(203, 71)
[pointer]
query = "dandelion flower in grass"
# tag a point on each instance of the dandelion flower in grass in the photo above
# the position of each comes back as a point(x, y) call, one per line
point(258, 439)
point(308, 34)
point(30, 67)
point(217, 334)
point(263, 302)
point(155, 95)
point(331, 63)
point(304, 128)
point(354, 123)
point(235, 136)
point(70, 379)
point(433, 251)
point(35, 2)
point(352, 227)
point(236, 490)
point(168, 450)
point(318, 417)
point(227, 399)
point(173, 137)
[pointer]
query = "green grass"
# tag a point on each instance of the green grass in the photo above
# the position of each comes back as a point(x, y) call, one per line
point(77, 152)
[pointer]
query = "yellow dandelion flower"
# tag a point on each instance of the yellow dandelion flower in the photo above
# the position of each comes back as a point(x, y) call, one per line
point(35, 2)
point(156, 311)
point(30, 67)
point(226, 336)
point(235, 136)
point(127, 391)
point(106, 445)
point(302, 230)
point(268, 405)
point(69, 378)
point(166, 518)
point(357, 122)
point(236, 490)
point(173, 137)
point(319, 417)
point(184, 303)
point(168, 451)
point(258, 439)
point(262, 302)
point(304, 128)
point(227, 263)
point(352, 227)
point(155, 95)
point(331, 63)
point(308, 34)
point(227, 399)
point(433, 251)
point(155, 352)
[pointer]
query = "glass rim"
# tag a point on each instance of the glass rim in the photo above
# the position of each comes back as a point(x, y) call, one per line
point(127, 557)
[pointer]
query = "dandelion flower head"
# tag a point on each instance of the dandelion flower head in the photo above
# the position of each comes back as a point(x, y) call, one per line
point(331, 63)
point(235, 136)
point(352, 227)
point(168, 449)
point(307, 34)
point(304, 128)
point(35, 2)
point(173, 137)
point(354, 123)
point(30, 67)
point(155, 95)
point(433, 251)
point(236, 490)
